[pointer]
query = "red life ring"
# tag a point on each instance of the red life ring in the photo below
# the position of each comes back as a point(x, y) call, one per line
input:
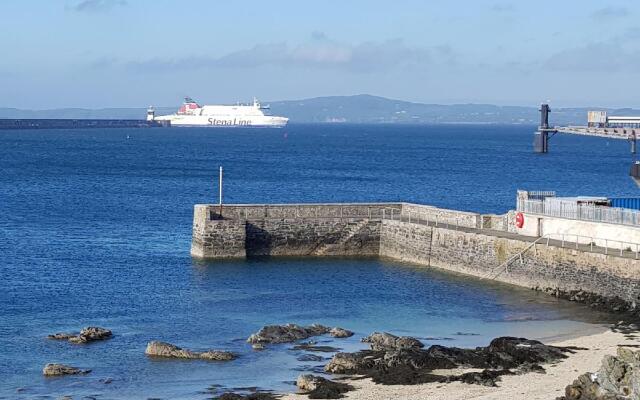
point(519, 220)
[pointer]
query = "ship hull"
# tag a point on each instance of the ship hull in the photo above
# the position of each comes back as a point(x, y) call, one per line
point(205, 121)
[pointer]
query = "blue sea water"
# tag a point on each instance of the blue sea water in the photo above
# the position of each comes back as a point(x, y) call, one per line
point(95, 229)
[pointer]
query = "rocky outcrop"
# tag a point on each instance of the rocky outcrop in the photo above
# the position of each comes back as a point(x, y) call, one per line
point(61, 370)
point(617, 378)
point(272, 334)
point(86, 335)
point(252, 396)
point(287, 333)
point(340, 332)
point(387, 341)
point(393, 361)
point(317, 387)
point(611, 304)
point(167, 350)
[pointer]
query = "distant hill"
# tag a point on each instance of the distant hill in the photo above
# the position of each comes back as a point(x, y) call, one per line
point(357, 109)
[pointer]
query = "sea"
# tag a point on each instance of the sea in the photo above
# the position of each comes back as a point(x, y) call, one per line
point(95, 230)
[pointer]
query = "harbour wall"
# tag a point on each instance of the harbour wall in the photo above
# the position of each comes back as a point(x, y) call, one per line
point(289, 229)
point(484, 246)
point(489, 255)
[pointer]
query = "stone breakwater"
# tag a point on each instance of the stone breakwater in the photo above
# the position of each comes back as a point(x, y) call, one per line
point(479, 245)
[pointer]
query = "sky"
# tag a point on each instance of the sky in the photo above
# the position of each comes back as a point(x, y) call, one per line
point(135, 53)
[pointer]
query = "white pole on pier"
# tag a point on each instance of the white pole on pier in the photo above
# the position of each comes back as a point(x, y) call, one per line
point(220, 191)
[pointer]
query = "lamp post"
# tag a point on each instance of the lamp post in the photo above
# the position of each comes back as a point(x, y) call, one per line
point(220, 191)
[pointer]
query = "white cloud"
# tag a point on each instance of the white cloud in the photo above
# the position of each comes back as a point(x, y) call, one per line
point(97, 5)
point(610, 13)
point(318, 52)
point(595, 57)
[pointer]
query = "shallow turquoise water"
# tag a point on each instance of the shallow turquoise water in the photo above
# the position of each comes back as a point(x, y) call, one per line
point(95, 230)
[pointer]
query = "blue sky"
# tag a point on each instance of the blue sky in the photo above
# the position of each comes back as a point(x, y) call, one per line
point(113, 53)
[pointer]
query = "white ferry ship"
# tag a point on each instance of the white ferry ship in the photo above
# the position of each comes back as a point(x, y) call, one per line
point(218, 116)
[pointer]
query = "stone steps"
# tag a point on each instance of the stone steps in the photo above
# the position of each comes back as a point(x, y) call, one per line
point(352, 229)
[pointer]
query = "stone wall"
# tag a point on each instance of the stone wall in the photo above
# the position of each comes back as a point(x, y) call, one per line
point(406, 241)
point(288, 230)
point(442, 215)
point(313, 236)
point(366, 230)
point(219, 239)
point(278, 211)
point(482, 255)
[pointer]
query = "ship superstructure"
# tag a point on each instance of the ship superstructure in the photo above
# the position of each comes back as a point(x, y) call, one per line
point(239, 115)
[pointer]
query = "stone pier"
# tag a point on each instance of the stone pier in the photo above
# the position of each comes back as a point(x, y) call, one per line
point(484, 246)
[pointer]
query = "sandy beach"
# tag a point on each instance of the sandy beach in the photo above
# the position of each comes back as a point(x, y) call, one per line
point(528, 386)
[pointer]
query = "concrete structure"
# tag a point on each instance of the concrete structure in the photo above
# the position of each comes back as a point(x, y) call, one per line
point(578, 220)
point(485, 246)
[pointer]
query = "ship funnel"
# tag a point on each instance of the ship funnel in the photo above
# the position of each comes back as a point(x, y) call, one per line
point(151, 113)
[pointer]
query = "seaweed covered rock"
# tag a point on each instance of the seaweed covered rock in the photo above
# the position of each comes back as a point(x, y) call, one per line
point(287, 333)
point(487, 377)
point(168, 350)
point(86, 335)
point(252, 396)
point(617, 378)
point(317, 387)
point(410, 365)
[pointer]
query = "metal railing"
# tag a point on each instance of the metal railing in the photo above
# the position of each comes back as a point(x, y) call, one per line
point(594, 244)
point(583, 212)
point(569, 241)
point(563, 240)
point(504, 267)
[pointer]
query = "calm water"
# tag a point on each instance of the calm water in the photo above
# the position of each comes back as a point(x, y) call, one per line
point(95, 230)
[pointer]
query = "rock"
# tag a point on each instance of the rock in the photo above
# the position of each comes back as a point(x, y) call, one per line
point(387, 341)
point(617, 378)
point(404, 362)
point(350, 363)
point(162, 349)
point(286, 333)
point(217, 355)
point(485, 378)
point(86, 335)
point(315, 348)
point(258, 346)
point(93, 333)
point(340, 332)
point(317, 387)
point(61, 369)
point(61, 336)
point(252, 396)
point(310, 357)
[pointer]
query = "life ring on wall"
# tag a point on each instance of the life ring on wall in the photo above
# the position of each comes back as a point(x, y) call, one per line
point(519, 220)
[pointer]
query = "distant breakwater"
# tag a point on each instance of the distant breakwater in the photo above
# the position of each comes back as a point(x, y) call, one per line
point(483, 246)
point(7, 124)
